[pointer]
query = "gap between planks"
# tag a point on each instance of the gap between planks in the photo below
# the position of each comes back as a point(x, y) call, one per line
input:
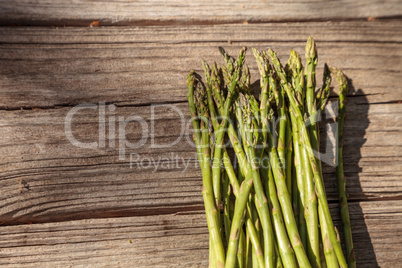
point(179, 239)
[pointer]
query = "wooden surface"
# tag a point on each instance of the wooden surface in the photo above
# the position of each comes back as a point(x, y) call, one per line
point(61, 205)
point(159, 12)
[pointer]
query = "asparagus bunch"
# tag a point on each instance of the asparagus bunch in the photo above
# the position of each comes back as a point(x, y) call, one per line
point(265, 203)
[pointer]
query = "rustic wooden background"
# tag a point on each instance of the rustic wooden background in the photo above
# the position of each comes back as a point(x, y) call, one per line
point(66, 206)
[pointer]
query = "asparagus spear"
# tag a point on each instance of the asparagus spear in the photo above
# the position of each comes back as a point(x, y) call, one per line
point(320, 191)
point(295, 193)
point(279, 263)
point(227, 222)
point(285, 202)
point(285, 248)
point(226, 192)
point(282, 131)
point(213, 81)
point(299, 179)
point(286, 206)
point(263, 67)
point(287, 254)
point(311, 212)
point(241, 250)
point(289, 153)
point(297, 78)
point(311, 63)
point(198, 108)
point(246, 185)
point(221, 127)
point(344, 209)
point(329, 252)
point(216, 85)
point(239, 152)
point(212, 259)
point(257, 253)
point(321, 100)
point(244, 114)
point(323, 93)
point(216, 168)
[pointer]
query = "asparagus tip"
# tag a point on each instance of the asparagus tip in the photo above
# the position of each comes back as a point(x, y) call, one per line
point(339, 75)
point(311, 49)
point(191, 78)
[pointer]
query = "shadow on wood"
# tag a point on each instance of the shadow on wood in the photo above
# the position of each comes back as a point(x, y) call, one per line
point(354, 138)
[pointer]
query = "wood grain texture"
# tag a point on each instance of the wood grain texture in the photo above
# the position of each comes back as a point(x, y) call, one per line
point(155, 241)
point(82, 13)
point(87, 203)
point(67, 182)
point(174, 240)
point(43, 67)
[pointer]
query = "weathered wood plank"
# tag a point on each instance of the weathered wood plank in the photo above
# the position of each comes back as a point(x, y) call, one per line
point(174, 240)
point(68, 182)
point(44, 178)
point(82, 13)
point(133, 65)
point(154, 241)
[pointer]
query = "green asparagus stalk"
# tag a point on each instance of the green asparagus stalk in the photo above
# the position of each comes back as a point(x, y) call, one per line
point(216, 85)
point(263, 67)
point(279, 263)
point(285, 248)
point(217, 156)
point(330, 257)
point(282, 132)
point(227, 222)
point(213, 81)
point(295, 194)
point(252, 225)
point(241, 250)
point(289, 154)
point(320, 191)
point(198, 108)
point(219, 253)
point(341, 180)
point(226, 191)
point(311, 63)
point(244, 113)
point(246, 185)
point(248, 260)
point(287, 254)
point(311, 212)
point(323, 93)
point(225, 111)
point(297, 78)
point(212, 259)
point(299, 179)
point(321, 100)
point(311, 100)
point(286, 204)
point(310, 199)
point(232, 133)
